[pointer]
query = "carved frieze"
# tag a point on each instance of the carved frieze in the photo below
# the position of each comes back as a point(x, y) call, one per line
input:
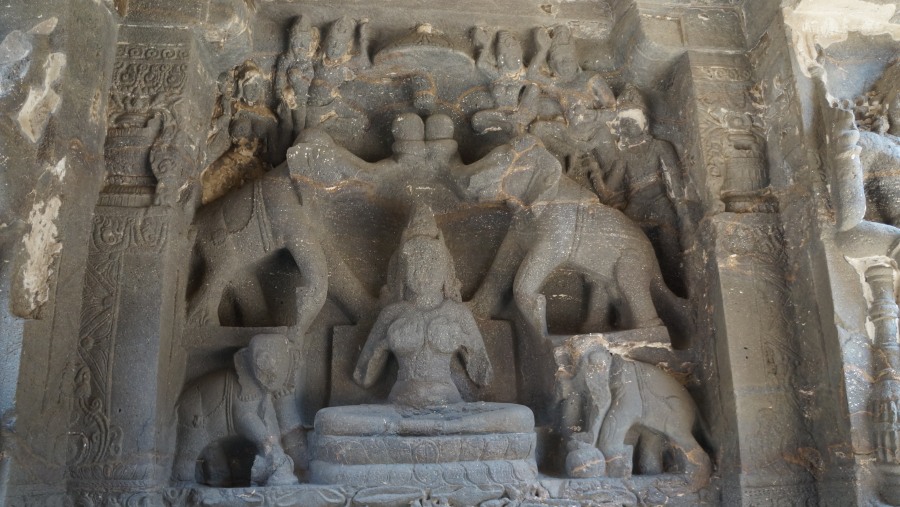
point(142, 157)
point(495, 254)
point(448, 209)
point(733, 138)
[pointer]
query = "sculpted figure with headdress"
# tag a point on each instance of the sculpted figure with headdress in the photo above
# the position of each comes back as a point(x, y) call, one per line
point(515, 101)
point(253, 133)
point(425, 326)
point(424, 323)
point(339, 59)
point(652, 178)
point(294, 74)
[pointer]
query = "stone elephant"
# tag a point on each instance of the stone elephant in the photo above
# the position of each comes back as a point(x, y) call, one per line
point(254, 221)
point(557, 222)
point(236, 403)
point(607, 400)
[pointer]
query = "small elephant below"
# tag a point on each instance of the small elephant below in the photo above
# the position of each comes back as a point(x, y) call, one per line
point(234, 407)
point(606, 400)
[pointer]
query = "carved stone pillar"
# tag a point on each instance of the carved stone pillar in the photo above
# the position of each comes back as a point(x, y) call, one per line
point(117, 433)
point(886, 395)
point(754, 347)
point(752, 317)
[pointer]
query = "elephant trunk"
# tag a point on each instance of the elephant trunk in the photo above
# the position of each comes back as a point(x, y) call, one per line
point(674, 311)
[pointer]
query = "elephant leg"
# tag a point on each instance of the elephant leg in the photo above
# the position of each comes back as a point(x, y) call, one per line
point(650, 453)
point(290, 424)
point(282, 463)
point(692, 459)
point(487, 300)
point(619, 456)
point(271, 465)
point(310, 258)
point(538, 264)
point(191, 442)
point(624, 412)
point(218, 469)
point(346, 288)
point(633, 280)
point(203, 309)
point(251, 303)
point(598, 308)
point(193, 435)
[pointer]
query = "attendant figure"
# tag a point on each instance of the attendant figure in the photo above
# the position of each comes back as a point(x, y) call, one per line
point(652, 175)
point(515, 101)
point(253, 133)
point(334, 70)
point(293, 76)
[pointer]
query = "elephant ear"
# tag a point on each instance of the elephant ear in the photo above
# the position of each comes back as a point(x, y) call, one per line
point(240, 210)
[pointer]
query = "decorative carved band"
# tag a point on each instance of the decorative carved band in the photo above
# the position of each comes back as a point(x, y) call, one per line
point(148, 70)
point(719, 73)
point(115, 231)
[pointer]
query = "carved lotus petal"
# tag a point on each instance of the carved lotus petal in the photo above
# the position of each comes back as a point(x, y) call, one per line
point(384, 496)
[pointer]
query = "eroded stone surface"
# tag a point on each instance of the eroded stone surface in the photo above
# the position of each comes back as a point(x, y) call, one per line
point(504, 254)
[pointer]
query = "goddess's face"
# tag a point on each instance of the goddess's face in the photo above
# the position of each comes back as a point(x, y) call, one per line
point(425, 265)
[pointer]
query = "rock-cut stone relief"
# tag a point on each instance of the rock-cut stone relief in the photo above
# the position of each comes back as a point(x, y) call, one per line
point(435, 145)
point(493, 254)
point(862, 156)
point(237, 402)
point(424, 323)
point(427, 434)
point(604, 396)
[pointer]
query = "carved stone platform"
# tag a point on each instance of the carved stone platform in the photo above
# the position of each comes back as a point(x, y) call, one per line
point(304, 495)
point(649, 490)
point(467, 444)
point(663, 489)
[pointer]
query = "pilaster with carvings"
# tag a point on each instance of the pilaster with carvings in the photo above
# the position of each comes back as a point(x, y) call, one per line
point(746, 239)
point(126, 319)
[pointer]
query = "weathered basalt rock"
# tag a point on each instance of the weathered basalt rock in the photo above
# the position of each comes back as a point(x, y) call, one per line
point(495, 254)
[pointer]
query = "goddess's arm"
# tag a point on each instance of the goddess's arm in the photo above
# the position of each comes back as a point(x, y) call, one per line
point(471, 349)
point(374, 355)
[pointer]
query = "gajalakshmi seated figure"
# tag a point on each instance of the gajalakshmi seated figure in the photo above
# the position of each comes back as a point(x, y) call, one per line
point(426, 431)
point(424, 323)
